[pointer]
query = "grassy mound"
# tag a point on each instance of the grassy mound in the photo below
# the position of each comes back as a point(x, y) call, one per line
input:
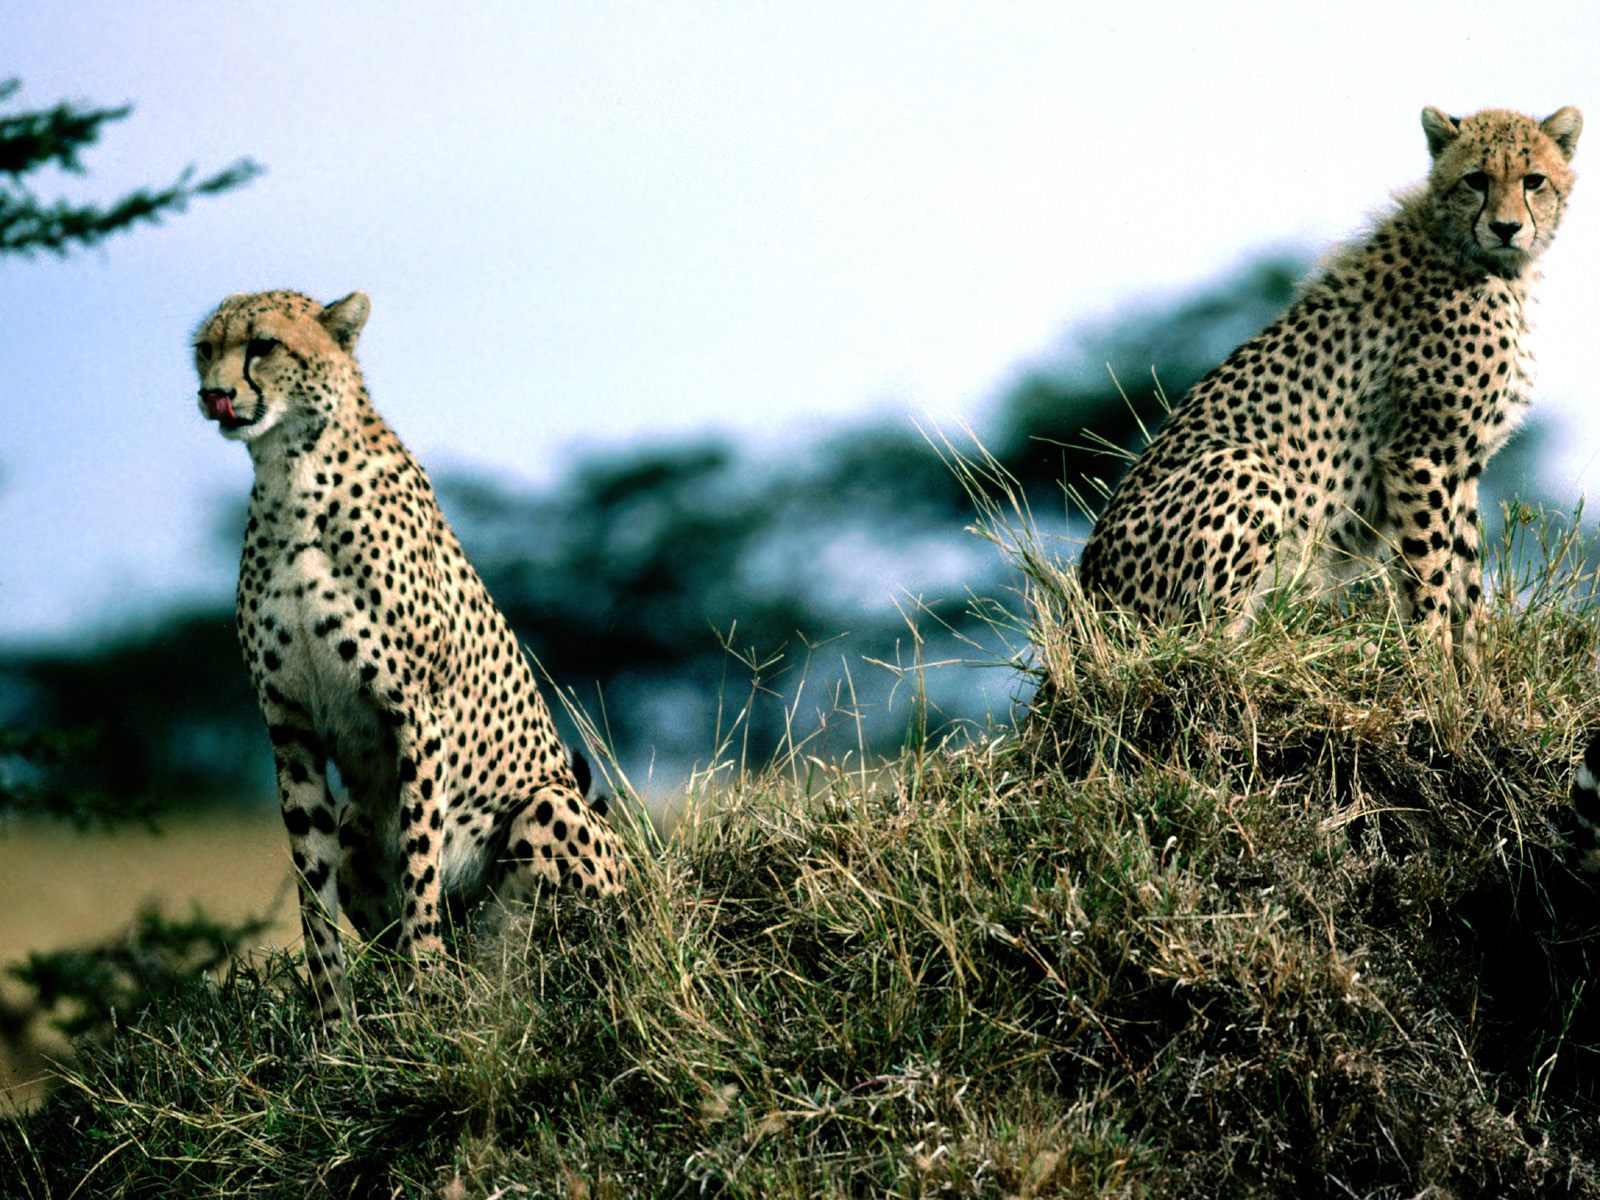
point(1283, 915)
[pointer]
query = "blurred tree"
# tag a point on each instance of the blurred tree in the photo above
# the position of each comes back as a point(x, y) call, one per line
point(34, 139)
point(167, 709)
point(85, 989)
point(633, 577)
point(638, 576)
point(31, 785)
point(1052, 424)
point(31, 763)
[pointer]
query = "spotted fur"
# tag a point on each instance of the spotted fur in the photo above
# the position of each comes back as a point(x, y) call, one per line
point(1580, 822)
point(373, 645)
point(1360, 421)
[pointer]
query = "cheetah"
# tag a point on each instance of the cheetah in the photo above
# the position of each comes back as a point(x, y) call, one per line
point(372, 644)
point(1361, 419)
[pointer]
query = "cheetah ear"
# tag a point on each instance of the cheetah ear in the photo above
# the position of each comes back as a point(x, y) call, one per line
point(345, 318)
point(1563, 127)
point(1441, 130)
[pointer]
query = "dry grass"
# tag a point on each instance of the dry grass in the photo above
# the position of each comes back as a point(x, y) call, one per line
point(1276, 916)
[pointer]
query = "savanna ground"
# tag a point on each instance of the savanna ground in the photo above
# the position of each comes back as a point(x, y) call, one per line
point(1283, 915)
point(62, 887)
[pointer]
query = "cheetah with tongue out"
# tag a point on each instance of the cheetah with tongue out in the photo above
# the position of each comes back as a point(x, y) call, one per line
point(1362, 418)
point(373, 645)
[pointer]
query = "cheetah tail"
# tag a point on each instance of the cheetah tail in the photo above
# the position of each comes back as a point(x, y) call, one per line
point(1582, 826)
point(584, 774)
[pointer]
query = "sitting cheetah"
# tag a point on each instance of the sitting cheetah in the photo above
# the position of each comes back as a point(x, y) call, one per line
point(371, 642)
point(1363, 416)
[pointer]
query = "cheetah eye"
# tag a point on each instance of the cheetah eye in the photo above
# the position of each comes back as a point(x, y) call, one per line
point(259, 347)
point(1533, 182)
point(203, 350)
point(1477, 181)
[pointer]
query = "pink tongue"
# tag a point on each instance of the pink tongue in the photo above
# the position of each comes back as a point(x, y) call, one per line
point(222, 408)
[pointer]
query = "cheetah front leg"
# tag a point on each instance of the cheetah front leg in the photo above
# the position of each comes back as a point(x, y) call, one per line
point(1422, 504)
point(419, 742)
point(367, 877)
point(309, 814)
point(1466, 577)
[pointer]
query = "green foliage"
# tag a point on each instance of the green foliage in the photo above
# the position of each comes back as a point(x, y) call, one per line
point(85, 989)
point(1282, 915)
point(632, 578)
point(44, 773)
point(647, 579)
point(647, 568)
point(170, 708)
point(34, 139)
point(1062, 422)
point(25, 759)
point(34, 766)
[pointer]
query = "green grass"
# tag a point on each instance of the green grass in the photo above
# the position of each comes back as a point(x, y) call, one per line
point(1282, 915)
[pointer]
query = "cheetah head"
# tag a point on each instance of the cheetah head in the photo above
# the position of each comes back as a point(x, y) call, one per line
point(277, 359)
point(1500, 182)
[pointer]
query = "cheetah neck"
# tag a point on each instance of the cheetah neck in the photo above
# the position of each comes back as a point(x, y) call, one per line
point(1466, 272)
point(1450, 256)
point(353, 425)
point(299, 470)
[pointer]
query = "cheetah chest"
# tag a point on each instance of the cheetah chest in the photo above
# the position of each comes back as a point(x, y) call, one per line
point(311, 635)
point(306, 635)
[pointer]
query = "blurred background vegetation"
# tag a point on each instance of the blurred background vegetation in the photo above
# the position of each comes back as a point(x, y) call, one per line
point(47, 756)
point(664, 587)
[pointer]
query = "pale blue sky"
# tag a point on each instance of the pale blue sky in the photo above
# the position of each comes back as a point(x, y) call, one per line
point(586, 223)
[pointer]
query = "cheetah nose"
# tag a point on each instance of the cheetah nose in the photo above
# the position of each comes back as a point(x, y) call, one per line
point(218, 403)
point(1505, 230)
